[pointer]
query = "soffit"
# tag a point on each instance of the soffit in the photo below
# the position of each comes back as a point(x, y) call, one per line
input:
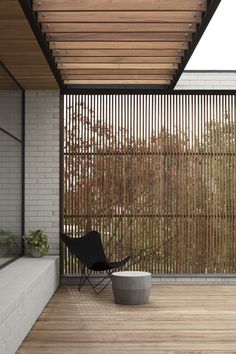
point(20, 51)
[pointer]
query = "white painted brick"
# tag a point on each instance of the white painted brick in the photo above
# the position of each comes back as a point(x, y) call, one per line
point(207, 81)
point(42, 164)
point(25, 288)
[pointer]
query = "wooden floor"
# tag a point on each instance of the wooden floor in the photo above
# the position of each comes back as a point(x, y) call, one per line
point(178, 319)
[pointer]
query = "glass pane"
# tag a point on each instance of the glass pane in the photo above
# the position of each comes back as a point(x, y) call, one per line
point(10, 168)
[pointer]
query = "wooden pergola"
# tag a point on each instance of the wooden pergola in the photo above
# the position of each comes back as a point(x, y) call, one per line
point(128, 42)
point(101, 43)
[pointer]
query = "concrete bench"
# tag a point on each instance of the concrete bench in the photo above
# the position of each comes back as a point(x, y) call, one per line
point(26, 286)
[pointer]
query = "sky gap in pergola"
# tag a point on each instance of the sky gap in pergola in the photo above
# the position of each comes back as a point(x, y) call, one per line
point(119, 42)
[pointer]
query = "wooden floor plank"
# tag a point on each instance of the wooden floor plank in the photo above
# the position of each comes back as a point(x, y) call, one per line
point(178, 319)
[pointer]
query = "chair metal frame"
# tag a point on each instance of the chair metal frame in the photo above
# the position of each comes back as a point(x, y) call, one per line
point(86, 277)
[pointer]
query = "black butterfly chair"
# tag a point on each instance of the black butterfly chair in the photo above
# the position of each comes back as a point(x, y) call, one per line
point(89, 251)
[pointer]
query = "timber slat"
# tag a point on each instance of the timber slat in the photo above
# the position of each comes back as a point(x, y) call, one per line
point(119, 5)
point(118, 27)
point(117, 66)
point(105, 26)
point(118, 45)
point(115, 77)
point(119, 17)
point(118, 72)
point(192, 133)
point(119, 37)
point(117, 60)
point(117, 52)
point(120, 82)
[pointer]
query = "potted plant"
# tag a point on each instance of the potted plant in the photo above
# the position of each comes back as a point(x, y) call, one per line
point(7, 243)
point(37, 243)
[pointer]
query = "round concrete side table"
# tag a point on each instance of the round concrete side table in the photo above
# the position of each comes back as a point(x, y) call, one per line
point(131, 288)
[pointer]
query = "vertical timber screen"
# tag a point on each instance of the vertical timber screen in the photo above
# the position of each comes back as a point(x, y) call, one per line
point(155, 175)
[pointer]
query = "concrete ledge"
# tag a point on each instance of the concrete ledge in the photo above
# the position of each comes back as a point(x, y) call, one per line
point(25, 288)
point(168, 279)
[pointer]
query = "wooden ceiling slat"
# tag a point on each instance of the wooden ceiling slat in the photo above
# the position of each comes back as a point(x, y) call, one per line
point(32, 68)
point(36, 74)
point(117, 72)
point(117, 53)
point(119, 37)
point(118, 27)
point(10, 10)
point(119, 5)
point(119, 17)
point(118, 45)
point(16, 45)
point(106, 41)
point(116, 77)
point(14, 28)
point(33, 77)
point(124, 82)
point(23, 58)
point(118, 66)
point(117, 60)
point(43, 83)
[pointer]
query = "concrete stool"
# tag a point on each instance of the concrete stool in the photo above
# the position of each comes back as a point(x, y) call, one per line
point(131, 288)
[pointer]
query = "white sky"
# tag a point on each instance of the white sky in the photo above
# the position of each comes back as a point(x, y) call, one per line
point(217, 47)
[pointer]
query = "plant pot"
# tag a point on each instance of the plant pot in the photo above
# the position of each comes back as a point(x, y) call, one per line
point(34, 252)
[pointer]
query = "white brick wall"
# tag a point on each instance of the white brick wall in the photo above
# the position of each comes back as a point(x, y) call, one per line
point(42, 156)
point(207, 81)
point(25, 288)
